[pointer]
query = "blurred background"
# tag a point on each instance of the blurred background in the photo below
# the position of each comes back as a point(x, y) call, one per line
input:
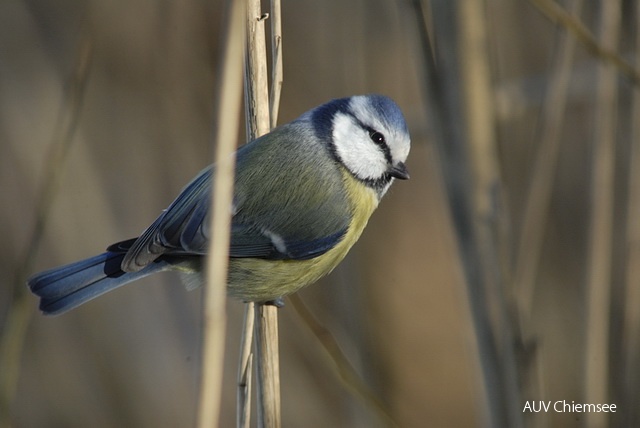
point(501, 273)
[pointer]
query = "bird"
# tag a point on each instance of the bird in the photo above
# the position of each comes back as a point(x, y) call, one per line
point(303, 193)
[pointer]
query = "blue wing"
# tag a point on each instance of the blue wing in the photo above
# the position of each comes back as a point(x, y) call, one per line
point(293, 210)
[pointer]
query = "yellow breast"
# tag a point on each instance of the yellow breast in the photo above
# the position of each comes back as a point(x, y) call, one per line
point(261, 280)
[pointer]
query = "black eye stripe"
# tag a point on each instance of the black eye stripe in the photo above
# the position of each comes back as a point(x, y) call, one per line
point(379, 139)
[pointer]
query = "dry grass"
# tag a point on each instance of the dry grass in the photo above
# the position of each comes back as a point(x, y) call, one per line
point(225, 140)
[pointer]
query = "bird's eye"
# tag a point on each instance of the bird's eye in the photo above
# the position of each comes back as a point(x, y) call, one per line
point(376, 137)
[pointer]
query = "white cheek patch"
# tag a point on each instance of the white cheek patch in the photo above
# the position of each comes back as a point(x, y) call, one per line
point(355, 149)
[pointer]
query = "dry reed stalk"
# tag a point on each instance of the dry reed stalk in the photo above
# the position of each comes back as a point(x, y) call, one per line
point(226, 135)
point(266, 316)
point(256, 73)
point(21, 309)
point(601, 222)
point(276, 61)
point(267, 365)
point(245, 368)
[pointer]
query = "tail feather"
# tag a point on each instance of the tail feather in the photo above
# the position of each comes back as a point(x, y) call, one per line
point(69, 286)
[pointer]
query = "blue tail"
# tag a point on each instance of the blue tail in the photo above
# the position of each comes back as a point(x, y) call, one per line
point(66, 287)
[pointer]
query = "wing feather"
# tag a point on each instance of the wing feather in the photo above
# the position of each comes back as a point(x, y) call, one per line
point(282, 210)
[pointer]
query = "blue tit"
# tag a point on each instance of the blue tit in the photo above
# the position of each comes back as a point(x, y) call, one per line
point(303, 194)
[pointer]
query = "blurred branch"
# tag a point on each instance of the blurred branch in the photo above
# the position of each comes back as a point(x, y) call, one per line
point(559, 15)
point(21, 307)
point(258, 123)
point(229, 92)
point(490, 215)
point(536, 208)
point(538, 198)
point(601, 223)
point(344, 370)
point(631, 305)
point(443, 94)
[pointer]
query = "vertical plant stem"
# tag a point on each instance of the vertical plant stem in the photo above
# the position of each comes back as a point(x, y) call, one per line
point(601, 222)
point(267, 365)
point(538, 197)
point(256, 74)
point(245, 368)
point(276, 61)
point(489, 210)
point(445, 101)
point(631, 332)
point(266, 316)
point(226, 135)
point(536, 209)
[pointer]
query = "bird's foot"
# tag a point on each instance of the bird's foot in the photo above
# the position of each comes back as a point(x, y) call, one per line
point(278, 303)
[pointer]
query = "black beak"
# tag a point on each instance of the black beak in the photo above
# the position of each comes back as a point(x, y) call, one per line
point(399, 171)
